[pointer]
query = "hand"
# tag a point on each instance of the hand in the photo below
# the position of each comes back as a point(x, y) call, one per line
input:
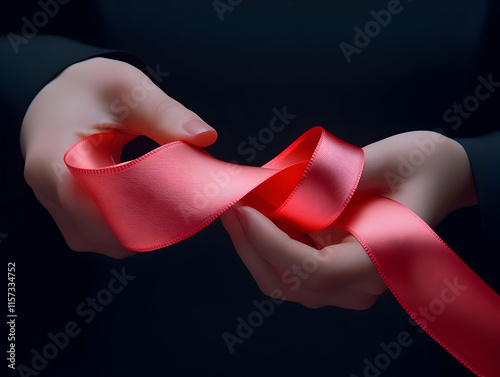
point(426, 172)
point(93, 96)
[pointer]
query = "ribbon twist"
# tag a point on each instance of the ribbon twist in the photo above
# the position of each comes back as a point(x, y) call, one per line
point(176, 190)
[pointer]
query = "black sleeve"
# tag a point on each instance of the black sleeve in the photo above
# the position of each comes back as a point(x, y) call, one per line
point(23, 73)
point(25, 68)
point(484, 157)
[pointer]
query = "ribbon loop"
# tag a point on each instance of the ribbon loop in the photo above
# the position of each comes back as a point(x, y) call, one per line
point(177, 189)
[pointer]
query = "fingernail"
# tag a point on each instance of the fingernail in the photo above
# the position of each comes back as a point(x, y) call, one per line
point(196, 126)
point(242, 219)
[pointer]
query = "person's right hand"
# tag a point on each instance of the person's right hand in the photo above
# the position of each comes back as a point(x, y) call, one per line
point(424, 171)
point(93, 96)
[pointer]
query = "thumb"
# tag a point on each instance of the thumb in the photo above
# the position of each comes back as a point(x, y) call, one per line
point(164, 120)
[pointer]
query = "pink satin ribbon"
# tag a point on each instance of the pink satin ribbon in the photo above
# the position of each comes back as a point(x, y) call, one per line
point(177, 189)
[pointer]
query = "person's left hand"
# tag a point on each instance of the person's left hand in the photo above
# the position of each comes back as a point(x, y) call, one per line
point(338, 271)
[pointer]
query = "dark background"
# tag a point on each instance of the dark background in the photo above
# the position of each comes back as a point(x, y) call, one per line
point(170, 319)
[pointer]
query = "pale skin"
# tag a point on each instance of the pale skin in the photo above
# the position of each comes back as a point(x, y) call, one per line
point(345, 276)
point(79, 102)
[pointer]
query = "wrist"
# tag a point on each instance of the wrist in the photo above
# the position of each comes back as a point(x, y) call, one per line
point(465, 188)
point(423, 170)
point(444, 183)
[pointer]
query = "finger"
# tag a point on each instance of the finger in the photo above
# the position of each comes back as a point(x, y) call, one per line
point(272, 243)
point(266, 275)
point(294, 288)
point(338, 265)
point(146, 110)
point(347, 262)
point(270, 280)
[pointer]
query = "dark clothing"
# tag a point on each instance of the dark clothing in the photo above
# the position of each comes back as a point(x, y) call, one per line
point(484, 156)
point(232, 68)
point(26, 72)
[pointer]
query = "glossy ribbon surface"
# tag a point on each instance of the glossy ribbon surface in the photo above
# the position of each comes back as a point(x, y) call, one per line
point(177, 189)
